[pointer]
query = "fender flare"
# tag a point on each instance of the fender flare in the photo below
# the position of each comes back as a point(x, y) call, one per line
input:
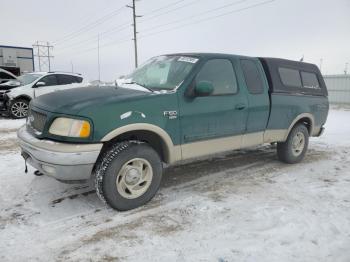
point(20, 96)
point(303, 115)
point(173, 152)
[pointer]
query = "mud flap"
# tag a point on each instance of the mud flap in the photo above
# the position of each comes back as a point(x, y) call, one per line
point(25, 157)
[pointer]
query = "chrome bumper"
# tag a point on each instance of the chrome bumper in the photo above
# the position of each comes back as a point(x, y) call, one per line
point(63, 161)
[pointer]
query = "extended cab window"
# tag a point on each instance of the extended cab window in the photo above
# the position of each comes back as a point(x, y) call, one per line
point(290, 77)
point(49, 80)
point(309, 80)
point(221, 74)
point(66, 79)
point(252, 77)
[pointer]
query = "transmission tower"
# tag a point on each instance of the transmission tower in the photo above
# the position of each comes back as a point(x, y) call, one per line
point(43, 51)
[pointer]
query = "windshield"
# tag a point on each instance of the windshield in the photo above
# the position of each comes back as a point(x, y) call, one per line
point(162, 72)
point(28, 78)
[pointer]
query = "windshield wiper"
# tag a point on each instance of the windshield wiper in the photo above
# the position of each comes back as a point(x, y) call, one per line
point(135, 83)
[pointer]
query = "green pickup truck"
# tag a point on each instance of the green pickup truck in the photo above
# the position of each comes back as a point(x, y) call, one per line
point(172, 108)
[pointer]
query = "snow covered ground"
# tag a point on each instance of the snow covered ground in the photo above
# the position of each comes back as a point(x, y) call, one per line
point(245, 206)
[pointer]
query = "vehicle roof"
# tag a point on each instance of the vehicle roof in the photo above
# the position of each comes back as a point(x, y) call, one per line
point(208, 55)
point(286, 62)
point(304, 65)
point(56, 72)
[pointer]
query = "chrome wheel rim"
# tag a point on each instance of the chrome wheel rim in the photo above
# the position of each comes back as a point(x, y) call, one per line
point(134, 178)
point(298, 144)
point(19, 109)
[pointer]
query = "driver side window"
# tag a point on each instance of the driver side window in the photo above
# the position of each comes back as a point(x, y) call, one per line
point(221, 74)
point(49, 80)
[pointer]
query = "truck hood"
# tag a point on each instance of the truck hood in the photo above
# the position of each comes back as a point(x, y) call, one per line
point(72, 101)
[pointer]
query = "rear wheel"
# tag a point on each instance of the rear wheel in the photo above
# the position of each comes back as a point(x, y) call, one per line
point(19, 108)
point(128, 175)
point(294, 148)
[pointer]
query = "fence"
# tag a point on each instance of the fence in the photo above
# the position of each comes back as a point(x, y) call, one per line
point(338, 88)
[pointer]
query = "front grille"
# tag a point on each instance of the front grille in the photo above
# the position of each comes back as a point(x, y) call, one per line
point(36, 120)
point(3, 101)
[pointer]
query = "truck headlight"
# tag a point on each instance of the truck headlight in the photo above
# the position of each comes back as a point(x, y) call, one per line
point(63, 126)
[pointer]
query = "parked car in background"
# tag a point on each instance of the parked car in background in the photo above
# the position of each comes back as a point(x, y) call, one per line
point(6, 76)
point(173, 108)
point(16, 94)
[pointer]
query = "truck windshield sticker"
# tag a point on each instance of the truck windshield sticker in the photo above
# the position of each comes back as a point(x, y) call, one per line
point(188, 59)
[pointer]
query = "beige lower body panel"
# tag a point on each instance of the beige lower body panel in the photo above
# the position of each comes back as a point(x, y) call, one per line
point(275, 135)
point(220, 145)
point(210, 147)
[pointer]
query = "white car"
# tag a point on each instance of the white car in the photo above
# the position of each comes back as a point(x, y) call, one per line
point(15, 95)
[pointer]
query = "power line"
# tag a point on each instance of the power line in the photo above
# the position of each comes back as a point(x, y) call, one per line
point(89, 26)
point(195, 15)
point(169, 11)
point(124, 26)
point(93, 38)
point(164, 7)
point(114, 43)
point(188, 24)
point(209, 18)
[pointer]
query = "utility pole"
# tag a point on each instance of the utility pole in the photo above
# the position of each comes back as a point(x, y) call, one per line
point(321, 62)
point(98, 58)
point(135, 31)
point(42, 52)
point(346, 68)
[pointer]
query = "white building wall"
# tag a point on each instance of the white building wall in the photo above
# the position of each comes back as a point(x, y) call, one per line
point(22, 57)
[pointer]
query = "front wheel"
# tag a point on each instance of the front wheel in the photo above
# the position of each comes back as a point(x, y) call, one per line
point(19, 108)
point(128, 175)
point(294, 148)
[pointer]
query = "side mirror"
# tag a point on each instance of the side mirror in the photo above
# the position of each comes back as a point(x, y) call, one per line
point(40, 83)
point(203, 88)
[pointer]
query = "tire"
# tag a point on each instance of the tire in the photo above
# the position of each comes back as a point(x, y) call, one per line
point(19, 108)
point(128, 175)
point(294, 148)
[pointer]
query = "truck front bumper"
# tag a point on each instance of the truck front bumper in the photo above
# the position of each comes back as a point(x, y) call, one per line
point(62, 161)
point(4, 104)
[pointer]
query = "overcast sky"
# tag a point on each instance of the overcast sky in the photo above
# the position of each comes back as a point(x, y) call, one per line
point(317, 29)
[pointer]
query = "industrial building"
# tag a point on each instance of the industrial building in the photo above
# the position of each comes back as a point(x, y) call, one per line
point(16, 59)
point(338, 88)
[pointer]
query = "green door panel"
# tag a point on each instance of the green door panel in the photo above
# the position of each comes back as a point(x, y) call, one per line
point(213, 116)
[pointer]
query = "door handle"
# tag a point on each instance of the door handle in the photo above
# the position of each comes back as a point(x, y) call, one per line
point(240, 106)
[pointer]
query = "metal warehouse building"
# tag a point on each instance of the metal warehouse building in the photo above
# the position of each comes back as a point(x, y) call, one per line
point(338, 88)
point(16, 59)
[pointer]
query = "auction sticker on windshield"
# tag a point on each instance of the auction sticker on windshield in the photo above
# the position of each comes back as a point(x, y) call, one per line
point(188, 59)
